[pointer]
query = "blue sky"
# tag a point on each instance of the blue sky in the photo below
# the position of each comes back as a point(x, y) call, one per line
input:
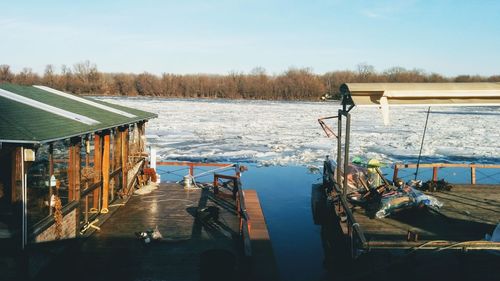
point(450, 37)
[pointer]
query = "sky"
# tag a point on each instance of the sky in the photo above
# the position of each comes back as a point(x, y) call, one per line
point(450, 37)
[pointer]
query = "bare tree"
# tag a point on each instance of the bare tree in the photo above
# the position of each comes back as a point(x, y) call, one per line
point(5, 74)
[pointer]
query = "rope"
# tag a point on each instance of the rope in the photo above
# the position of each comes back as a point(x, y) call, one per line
point(58, 217)
point(174, 171)
point(422, 143)
point(214, 170)
point(90, 225)
point(486, 176)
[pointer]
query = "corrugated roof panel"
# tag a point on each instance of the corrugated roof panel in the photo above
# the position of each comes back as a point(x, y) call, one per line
point(28, 124)
point(23, 123)
point(86, 101)
point(48, 108)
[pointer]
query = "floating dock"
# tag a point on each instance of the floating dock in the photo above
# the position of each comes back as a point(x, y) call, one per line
point(195, 246)
point(468, 213)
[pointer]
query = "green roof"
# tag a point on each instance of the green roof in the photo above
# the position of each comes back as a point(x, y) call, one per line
point(21, 121)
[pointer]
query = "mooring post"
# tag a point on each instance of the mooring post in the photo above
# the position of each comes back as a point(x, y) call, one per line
point(395, 175)
point(472, 174)
point(434, 173)
point(191, 169)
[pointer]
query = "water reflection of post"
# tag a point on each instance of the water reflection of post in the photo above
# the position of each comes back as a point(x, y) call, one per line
point(336, 253)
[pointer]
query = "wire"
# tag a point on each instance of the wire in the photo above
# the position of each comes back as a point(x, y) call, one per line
point(422, 143)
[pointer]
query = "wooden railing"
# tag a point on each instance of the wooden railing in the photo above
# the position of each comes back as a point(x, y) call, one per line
point(245, 222)
point(192, 165)
point(238, 194)
point(436, 166)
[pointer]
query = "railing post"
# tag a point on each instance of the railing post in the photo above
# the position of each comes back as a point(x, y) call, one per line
point(216, 184)
point(434, 173)
point(472, 174)
point(395, 175)
point(191, 169)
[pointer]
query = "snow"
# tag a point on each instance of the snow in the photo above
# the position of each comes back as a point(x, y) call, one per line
point(287, 133)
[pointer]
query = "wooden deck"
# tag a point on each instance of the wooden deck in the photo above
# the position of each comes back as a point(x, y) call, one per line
point(469, 212)
point(191, 248)
point(264, 263)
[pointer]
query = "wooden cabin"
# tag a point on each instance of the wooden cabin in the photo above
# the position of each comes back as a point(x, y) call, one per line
point(64, 160)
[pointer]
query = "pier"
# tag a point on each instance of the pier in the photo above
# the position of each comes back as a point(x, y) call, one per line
point(195, 246)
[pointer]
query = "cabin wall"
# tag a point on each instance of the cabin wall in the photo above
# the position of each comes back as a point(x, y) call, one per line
point(68, 229)
point(89, 176)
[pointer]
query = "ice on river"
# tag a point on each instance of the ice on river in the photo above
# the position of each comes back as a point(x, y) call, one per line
point(288, 133)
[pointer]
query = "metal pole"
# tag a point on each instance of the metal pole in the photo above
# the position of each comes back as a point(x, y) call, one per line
point(346, 148)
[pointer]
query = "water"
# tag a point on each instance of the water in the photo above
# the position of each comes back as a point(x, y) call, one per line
point(285, 197)
point(260, 133)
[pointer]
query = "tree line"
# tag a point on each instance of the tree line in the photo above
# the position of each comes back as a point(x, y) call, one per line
point(294, 84)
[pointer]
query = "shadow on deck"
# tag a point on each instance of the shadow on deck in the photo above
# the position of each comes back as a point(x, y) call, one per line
point(192, 248)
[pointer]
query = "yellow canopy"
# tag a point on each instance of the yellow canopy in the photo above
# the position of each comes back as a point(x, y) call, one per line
point(423, 94)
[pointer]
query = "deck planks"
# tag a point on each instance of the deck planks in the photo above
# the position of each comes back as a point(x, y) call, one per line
point(469, 212)
point(263, 262)
point(115, 253)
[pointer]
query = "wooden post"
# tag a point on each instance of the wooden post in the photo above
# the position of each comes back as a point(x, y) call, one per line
point(191, 169)
point(434, 174)
point(71, 172)
point(124, 155)
point(77, 167)
point(216, 184)
point(51, 172)
point(115, 162)
point(97, 168)
point(142, 133)
point(105, 173)
point(395, 175)
point(17, 175)
point(472, 174)
point(87, 164)
point(74, 169)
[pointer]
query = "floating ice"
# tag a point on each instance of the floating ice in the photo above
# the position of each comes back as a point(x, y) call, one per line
point(287, 133)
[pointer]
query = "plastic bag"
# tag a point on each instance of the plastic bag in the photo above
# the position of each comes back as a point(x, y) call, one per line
point(424, 199)
point(405, 198)
point(393, 203)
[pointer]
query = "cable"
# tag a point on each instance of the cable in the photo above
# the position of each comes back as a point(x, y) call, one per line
point(422, 143)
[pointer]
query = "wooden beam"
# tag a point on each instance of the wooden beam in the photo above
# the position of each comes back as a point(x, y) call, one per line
point(17, 175)
point(71, 168)
point(472, 175)
point(124, 155)
point(51, 172)
point(105, 173)
point(163, 163)
point(395, 174)
point(434, 173)
point(77, 171)
point(448, 165)
point(97, 168)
